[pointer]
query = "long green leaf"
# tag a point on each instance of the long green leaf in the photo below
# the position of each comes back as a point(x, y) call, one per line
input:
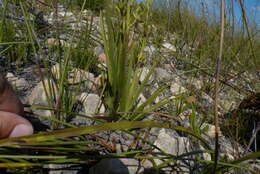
point(250, 156)
point(47, 136)
point(7, 165)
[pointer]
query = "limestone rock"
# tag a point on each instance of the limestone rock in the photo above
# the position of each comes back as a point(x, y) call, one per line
point(172, 144)
point(162, 75)
point(144, 72)
point(55, 42)
point(149, 49)
point(91, 102)
point(39, 97)
point(211, 130)
point(18, 83)
point(60, 168)
point(168, 47)
point(75, 76)
point(177, 89)
point(196, 83)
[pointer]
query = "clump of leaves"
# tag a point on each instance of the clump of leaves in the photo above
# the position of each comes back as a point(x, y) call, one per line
point(124, 51)
point(12, 41)
point(84, 58)
point(95, 5)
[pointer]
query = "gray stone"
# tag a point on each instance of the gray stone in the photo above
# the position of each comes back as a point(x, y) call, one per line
point(78, 75)
point(144, 72)
point(56, 42)
point(75, 76)
point(18, 83)
point(141, 99)
point(177, 89)
point(39, 97)
point(211, 130)
point(99, 50)
point(169, 142)
point(59, 169)
point(168, 47)
point(206, 100)
point(149, 49)
point(162, 75)
point(91, 103)
point(196, 83)
point(174, 145)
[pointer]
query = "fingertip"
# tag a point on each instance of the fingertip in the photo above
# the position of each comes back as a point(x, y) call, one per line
point(21, 130)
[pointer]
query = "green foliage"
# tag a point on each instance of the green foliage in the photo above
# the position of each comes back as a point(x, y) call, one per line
point(124, 58)
point(95, 5)
point(13, 48)
point(73, 53)
point(83, 54)
point(200, 34)
point(51, 143)
point(84, 58)
point(126, 30)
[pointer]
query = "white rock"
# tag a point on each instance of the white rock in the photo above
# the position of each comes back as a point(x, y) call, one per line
point(206, 156)
point(169, 46)
point(197, 83)
point(141, 99)
point(38, 97)
point(78, 75)
point(75, 76)
point(60, 168)
point(177, 89)
point(162, 74)
point(211, 130)
point(91, 102)
point(55, 70)
point(21, 84)
point(66, 14)
point(56, 42)
point(144, 72)
point(10, 75)
point(172, 144)
point(149, 49)
point(63, 16)
point(17, 83)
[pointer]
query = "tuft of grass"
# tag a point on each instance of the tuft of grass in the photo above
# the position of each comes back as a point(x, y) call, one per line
point(124, 50)
point(126, 29)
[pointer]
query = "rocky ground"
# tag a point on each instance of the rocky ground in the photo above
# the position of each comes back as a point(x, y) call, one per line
point(29, 87)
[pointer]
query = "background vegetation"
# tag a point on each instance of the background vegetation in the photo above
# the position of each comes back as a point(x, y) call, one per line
point(127, 28)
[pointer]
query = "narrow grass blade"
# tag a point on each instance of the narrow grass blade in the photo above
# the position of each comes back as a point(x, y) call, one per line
point(96, 128)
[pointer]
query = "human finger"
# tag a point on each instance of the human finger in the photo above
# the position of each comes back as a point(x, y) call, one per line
point(13, 125)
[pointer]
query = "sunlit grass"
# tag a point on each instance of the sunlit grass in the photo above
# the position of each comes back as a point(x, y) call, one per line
point(126, 28)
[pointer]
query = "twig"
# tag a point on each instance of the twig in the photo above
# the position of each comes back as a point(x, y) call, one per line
point(222, 11)
point(256, 130)
point(247, 28)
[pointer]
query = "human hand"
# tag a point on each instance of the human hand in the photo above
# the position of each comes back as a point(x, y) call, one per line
point(12, 124)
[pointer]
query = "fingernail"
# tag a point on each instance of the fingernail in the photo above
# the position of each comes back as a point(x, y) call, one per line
point(21, 130)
